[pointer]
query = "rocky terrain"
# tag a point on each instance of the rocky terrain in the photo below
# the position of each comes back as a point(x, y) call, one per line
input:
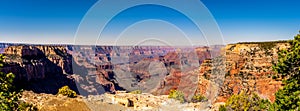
point(248, 68)
point(120, 101)
point(49, 102)
point(96, 70)
point(151, 69)
point(39, 68)
point(215, 72)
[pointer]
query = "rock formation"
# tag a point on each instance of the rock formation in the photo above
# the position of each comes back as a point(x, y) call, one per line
point(148, 68)
point(100, 69)
point(248, 68)
point(38, 67)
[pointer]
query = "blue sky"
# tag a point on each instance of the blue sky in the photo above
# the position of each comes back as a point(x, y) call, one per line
point(56, 21)
point(256, 20)
point(150, 24)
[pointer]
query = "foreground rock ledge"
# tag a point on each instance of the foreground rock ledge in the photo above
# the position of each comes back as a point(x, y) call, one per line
point(111, 102)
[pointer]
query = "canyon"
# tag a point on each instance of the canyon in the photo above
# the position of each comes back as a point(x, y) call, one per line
point(39, 68)
point(248, 68)
point(216, 72)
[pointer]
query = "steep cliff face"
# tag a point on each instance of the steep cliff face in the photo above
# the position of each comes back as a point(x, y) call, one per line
point(183, 71)
point(37, 62)
point(26, 54)
point(248, 68)
point(151, 69)
point(35, 65)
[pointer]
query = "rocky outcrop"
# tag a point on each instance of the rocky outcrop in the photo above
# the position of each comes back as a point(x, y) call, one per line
point(48, 102)
point(37, 62)
point(111, 102)
point(39, 67)
point(101, 69)
point(148, 68)
point(28, 53)
point(148, 102)
point(248, 68)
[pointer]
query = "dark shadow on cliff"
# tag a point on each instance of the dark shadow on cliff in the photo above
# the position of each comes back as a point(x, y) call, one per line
point(38, 74)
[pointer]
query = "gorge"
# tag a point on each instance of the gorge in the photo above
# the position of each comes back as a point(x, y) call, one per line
point(216, 72)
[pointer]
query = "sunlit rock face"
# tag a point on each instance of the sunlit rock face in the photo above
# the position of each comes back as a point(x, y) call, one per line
point(248, 68)
point(152, 69)
point(96, 70)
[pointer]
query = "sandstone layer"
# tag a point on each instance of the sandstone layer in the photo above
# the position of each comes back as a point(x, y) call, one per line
point(39, 68)
point(215, 73)
point(248, 68)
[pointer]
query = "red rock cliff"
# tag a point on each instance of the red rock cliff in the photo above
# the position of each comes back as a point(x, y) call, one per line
point(39, 67)
point(249, 68)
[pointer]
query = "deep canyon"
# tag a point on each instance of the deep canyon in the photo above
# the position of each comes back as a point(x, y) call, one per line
point(216, 71)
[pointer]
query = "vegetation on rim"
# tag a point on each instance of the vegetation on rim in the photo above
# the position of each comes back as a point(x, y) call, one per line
point(177, 95)
point(198, 98)
point(246, 102)
point(136, 92)
point(66, 91)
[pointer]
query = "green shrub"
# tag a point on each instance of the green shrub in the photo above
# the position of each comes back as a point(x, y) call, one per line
point(66, 91)
point(222, 108)
point(27, 107)
point(177, 95)
point(136, 92)
point(245, 102)
point(198, 98)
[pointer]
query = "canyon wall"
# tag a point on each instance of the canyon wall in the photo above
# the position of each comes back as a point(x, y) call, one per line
point(37, 62)
point(39, 67)
point(157, 70)
point(151, 69)
point(248, 68)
